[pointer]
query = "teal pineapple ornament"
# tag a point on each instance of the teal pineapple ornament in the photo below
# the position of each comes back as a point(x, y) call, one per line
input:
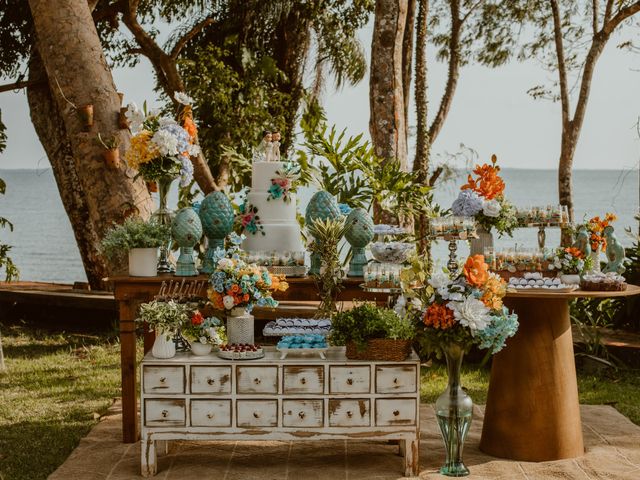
point(323, 206)
point(216, 214)
point(359, 234)
point(186, 230)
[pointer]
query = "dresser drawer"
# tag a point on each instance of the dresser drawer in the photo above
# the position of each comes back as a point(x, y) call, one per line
point(257, 413)
point(395, 411)
point(210, 413)
point(164, 412)
point(300, 379)
point(396, 379)
point(302, 413)
point(257, 379)
point(161, 379)
point(210, 379)
point(350, 379)
point(349, 413)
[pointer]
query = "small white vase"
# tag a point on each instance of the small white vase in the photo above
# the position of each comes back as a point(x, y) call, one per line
point(570, 279)
point(595, 260)
point(163, 347)
point(198, 348)
point(143, 262)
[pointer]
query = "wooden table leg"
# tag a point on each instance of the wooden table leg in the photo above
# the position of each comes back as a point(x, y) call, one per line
point(533, 412)
point(128, 366)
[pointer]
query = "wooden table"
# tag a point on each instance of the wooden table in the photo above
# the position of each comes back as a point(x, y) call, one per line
point(532, 411)
point(129, 292)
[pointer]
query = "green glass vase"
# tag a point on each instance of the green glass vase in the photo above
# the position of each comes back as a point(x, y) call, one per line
point(454, 410)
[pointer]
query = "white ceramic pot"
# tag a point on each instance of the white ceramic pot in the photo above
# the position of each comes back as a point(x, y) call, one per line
point(240, 326)
point(163, 347)
point(570, 279)
point(595, 259)
point(143, 262)
point(198, 348)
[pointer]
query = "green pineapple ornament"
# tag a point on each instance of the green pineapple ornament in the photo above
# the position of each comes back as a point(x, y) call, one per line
point(186, 230)
point(216, 214)
point(323, 206)
point(359, 233)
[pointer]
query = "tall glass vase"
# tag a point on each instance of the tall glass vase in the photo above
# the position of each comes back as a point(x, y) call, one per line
point(164, 216)
point(484, 241)
point(454, 409)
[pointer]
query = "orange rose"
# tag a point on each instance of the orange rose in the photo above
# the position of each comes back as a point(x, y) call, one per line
point(494, 291)
point(476, 270)
point(197, 318)
point(234, 289)
point(574, 252)
point(439, 317)
point(216, 299)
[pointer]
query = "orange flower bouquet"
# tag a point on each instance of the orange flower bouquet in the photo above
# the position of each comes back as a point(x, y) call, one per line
point(595, 227)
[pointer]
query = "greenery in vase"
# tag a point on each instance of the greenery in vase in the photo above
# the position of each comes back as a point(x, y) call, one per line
point(204, 330)
point(134, 233)
point(164, 317)
point(367, 321)
point(327, 235)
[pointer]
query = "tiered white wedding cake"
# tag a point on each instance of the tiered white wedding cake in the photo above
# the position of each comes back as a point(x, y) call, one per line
point(278, 228)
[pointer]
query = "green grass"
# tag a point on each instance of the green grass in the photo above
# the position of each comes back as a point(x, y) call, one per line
point(57, 385)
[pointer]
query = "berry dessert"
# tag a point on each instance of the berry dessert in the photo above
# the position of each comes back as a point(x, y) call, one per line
point(240, 351)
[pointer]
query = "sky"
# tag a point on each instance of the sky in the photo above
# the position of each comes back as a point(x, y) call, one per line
point(491, 113)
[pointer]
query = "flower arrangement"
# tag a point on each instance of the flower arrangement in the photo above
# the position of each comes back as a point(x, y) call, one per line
point(134, 233)
point(483, 198)
point(164, 317)
point(161, 147)
point(571, 261)
point(204, 330)
point(236, 283)
point(465, 310)
point(249, 219)
point(282, 185)
point(595, 227)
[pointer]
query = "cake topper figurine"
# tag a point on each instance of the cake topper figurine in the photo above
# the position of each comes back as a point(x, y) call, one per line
point(582, 242)
point(275, 147)
point(263, 151)
point(615, 252)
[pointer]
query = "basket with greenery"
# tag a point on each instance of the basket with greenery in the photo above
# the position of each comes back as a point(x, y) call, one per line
point(373, 333)
point(134, 233)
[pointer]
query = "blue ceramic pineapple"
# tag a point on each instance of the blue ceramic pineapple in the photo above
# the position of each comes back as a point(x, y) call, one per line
point(323, 206)
point(359, 233)
point(186, 230)
point(216, 214)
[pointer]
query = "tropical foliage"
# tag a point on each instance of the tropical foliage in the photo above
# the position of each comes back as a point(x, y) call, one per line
point(134, 232)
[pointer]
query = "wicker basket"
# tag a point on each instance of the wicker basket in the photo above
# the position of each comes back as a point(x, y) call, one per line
point(382, 349)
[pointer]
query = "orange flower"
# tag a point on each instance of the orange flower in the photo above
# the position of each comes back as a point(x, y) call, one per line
point(235, 288)
point(197, 318)
point(489, 184)
point(245, 297)
point(438, 316)
point(216, 299)
point(596, 226)
point(278, 284)
point(190, 126)
point(494, 290)
point(574, 252)
point(476, 270)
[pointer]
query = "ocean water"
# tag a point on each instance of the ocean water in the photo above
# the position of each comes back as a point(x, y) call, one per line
point(44, 247)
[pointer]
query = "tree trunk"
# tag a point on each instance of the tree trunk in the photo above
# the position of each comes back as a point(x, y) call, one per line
point(78, 75)
point(407, 60)
point(386, 94)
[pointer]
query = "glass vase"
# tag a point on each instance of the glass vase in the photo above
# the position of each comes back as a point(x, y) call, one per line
point(454, 410)
point(164, 216)
point(480, 244)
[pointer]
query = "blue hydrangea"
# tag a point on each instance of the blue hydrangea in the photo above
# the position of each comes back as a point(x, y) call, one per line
point(344, 209)
point(186, 171)
point(467, 204)
point(499, 329)
point(217, 280)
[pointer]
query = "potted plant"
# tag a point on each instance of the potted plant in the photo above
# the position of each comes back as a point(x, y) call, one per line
point(571, 263)
point(204, 333)
point(111, 154)
point(373, 333)
point(164, 318)
point(141, 240)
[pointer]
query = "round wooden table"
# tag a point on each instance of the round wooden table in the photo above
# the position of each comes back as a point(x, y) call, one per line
point(532, 411)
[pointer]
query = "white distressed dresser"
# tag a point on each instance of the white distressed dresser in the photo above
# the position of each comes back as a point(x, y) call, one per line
point(299, 398)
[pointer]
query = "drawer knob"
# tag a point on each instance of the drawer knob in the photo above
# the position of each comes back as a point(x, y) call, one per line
point(209, 416)
point(303, 380)
point(349, 413)
point(256, 381)
point(301, 414)
point(165, 413)
point(395, 381)
point(256, 414)
point(349, 381)
point(163, 379)
point(210, 381)
point(396, 413)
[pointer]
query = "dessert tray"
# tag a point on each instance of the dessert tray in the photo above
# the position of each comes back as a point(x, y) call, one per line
point(535, 282)
point(240, 352)
point(302, 345)
point(294, 326)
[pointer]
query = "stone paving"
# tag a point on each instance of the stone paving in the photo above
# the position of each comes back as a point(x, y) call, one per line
point(612, 452)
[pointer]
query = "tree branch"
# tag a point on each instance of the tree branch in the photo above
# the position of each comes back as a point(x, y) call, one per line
point(473, 7)
point(20, 85)
point(562, 66)
point(110, 12)
point(620, 17)
point(454, 72)
point(607, 12)
point(595, 15)
point(187, 37)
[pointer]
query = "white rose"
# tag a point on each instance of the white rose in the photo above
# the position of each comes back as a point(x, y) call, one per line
point(439, 280)
point(471, 313)
point(228, 302)
point(491, 208)
point(225, 263)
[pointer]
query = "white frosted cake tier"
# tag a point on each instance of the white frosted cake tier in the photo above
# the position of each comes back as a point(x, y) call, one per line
point(262, 174)
point(273, 210)
point(279, 237)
